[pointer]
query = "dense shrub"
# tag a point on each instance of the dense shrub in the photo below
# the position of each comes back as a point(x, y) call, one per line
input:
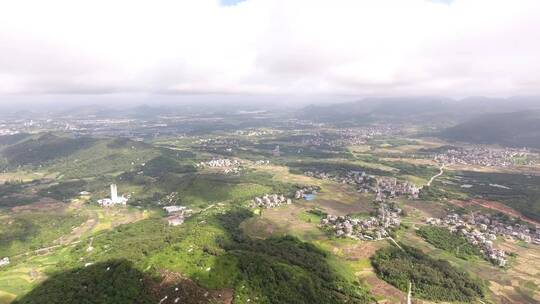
point(434, 280)
point(287, 270)
point(442, 238)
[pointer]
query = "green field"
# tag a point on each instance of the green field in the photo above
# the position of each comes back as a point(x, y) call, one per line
point(275, 255)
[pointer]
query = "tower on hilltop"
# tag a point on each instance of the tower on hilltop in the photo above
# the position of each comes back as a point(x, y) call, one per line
point(114, 193)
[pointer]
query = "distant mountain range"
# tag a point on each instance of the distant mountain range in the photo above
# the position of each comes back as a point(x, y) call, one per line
point(515, 129)
point(428, 109)
point(511, 121)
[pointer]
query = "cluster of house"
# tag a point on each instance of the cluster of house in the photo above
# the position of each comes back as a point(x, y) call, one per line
point(177, 214)
point(4, 262)
point(346, 137)
point(482, 229)
point(233, 170)
point(372, 228)
point(219, 163)
point(256, 132)
point(357, 178)
point(384, 187)
point(270, 201)
point(390, 187)
point(114, 199)
point(359, 136)
point(485, 156)
point(262, 162)
point(218, 145)
point(217, 141)
point(228, 165)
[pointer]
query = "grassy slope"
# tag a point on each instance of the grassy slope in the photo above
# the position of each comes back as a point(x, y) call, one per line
point(32, 230)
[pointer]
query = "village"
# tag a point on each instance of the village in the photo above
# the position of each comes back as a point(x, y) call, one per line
point(256, 132)
point(226, 165)
point(270, 201)
point(360, 136)
point(486, 156)
point(276, 200)
point(384, 187)
point(346, 137)
point(388, 217)
point(481, 230)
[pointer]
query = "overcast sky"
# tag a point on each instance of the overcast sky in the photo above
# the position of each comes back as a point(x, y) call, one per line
point(269, 47)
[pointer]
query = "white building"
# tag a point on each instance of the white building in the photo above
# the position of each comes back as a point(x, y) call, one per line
point(114, 200)
point(4, 261)
point(174, 209)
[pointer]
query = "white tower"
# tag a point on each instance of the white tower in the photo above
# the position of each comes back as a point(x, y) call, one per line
point(114, 193)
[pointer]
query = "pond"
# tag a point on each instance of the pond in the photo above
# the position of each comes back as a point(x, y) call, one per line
point(310, 197)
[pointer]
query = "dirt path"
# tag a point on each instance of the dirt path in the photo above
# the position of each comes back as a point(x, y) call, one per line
point(395, 243)
point(44, 250)
point(441, 172)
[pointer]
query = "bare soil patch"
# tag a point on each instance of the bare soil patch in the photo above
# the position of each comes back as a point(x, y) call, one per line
point(362, 250)
point(339, 208)
point(175, 288)
point(286, 219)
point(429, 209)
point(381, 289)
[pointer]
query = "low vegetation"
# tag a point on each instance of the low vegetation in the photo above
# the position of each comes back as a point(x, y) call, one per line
point(33, 230)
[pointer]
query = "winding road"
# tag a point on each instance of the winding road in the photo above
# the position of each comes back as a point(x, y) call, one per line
point(437, 175)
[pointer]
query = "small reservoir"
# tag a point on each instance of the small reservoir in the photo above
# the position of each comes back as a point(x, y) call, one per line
point(310, 197)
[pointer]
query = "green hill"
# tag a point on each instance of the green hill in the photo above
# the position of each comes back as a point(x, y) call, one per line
point(13, 139)
point(45, 148)
point(114, 281)
point(74, 158)
point(434, 110)
point(516, 129)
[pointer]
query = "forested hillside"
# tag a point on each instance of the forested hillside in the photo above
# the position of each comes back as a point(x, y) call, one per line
point(516, 129)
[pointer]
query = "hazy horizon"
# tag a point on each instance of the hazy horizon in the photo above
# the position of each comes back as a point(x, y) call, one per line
point(291, 52)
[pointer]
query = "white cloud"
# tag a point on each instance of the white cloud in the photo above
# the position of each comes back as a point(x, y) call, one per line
point(363, 47)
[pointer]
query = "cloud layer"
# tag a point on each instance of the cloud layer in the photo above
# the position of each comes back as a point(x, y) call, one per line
point(342, 47)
